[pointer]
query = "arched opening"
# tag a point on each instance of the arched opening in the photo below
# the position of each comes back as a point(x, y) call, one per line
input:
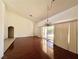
point(10, 32)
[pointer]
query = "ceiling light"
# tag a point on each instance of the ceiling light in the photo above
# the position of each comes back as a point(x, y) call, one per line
point(48, 8)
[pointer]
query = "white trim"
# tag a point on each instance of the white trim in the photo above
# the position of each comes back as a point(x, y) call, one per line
point(62, 21)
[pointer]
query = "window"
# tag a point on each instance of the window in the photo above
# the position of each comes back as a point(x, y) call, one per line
point(48, 35)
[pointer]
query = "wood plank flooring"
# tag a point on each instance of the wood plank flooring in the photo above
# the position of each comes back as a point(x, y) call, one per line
point(60, 53)
point(31, 48)
point(26, 48)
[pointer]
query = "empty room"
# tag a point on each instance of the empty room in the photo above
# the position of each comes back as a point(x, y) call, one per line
point(38, 29)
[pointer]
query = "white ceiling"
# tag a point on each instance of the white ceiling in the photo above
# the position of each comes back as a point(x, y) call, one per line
point(38, 8)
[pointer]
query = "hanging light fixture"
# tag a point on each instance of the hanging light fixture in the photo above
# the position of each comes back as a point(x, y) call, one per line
point(49, 8)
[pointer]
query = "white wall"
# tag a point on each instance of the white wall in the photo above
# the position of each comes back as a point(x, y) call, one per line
point(22, 26)
point(67, 15)
point(2, 10)
point(5, 26)
point(37, 30)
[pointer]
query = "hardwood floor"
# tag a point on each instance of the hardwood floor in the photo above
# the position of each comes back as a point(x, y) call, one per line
point(26, 48)
point(31, 48)
point(60, 53)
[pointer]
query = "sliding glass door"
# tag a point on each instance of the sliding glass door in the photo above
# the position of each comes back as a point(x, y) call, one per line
point(48, 39)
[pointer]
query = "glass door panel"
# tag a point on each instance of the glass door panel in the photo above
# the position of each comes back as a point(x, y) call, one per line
point(48, 39)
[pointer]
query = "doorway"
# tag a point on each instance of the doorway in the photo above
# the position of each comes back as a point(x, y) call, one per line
point(48, 40)
point(10, 32)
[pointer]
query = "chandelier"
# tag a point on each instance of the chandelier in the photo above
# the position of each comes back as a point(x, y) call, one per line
point(48, 9)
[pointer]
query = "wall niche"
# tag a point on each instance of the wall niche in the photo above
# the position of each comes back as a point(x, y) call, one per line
point(10, 32)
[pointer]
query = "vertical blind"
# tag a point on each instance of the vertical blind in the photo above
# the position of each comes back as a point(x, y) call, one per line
point(66, 35)
point(73, 37)
point(61, 35)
